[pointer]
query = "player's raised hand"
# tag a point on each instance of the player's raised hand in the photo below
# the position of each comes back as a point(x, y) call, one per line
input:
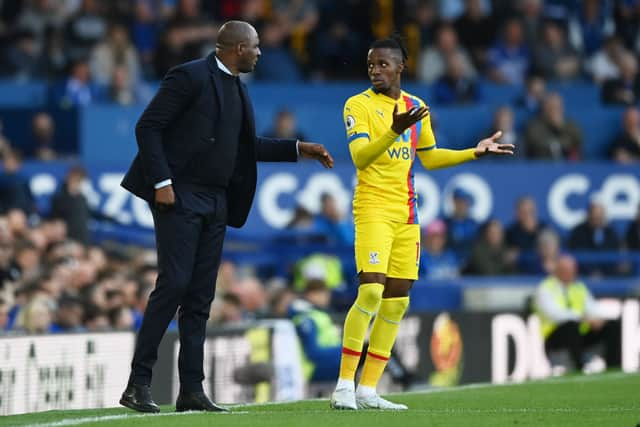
point(403, 121)
point(491, 146)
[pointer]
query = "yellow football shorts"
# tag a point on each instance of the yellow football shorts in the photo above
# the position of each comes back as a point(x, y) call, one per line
point(388, 247)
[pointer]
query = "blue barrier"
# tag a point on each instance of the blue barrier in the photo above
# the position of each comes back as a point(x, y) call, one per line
point(562, 191)
point(106, 131)
point(32, 94)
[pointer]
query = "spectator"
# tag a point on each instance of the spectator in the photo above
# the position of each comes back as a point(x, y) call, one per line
point(78, 90)
point(299, 18)
point(626, 146)
point(454, 87)
point(624, 90)
point(603, 64)
point(554, 58)
point(534, 94)
point(433, 60)
point(121, 318)
point(123, 91)
point(542, 261)
point(35, 317)
point(39, 15)
point(68, 317)
point(231, 310)
point(331, 222)
point(85, 28)
point(504, 121)
point(595, 23)
point(115, 52)
point(436, 261)
point(627, 14)
point(7, 272)
point(523, 233)
point(15, 192)
point(476, 31)
point(318, 266)
point(95, 320)
point(145, 30)
point(253, 296)
point(5, 146)
point(332, 54)
point(531, 11)
point(284, 126)
point(321, 339)
point(26, 260)
point(490, 255)
point(509, 58)
point(595, 234)
point(195, 30)
point(170, 52)
point(21, 57)
point(302, 219)
point(571, 318)
point(461, 228)
point(43, 130)
point(70, 205)
point(424, 20)
point(4, 316)
point(277, 63)
point(54, 58)
point(550, 136)
point(632, 234)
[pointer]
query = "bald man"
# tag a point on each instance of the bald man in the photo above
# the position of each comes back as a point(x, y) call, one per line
point(196, 167)
point(571, 319)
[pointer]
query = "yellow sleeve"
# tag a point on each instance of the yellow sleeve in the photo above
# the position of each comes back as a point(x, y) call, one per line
point(433, 157)
point(363, 150)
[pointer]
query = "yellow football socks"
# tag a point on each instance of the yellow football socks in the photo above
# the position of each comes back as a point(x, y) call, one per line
point(356, 325)
point(383, 336)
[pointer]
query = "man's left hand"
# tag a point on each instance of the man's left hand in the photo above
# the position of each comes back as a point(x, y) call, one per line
point(491, 146)
point(310, 150)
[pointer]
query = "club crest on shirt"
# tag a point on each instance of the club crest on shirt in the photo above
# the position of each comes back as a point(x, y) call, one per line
point(350, 122)
point(373, 258)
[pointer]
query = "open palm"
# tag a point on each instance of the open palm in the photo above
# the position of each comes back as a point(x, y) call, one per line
point(491, 146)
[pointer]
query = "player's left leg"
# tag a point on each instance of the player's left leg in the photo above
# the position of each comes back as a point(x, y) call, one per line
point(403, 270)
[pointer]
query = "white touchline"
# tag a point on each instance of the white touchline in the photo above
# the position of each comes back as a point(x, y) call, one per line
point(103, 418)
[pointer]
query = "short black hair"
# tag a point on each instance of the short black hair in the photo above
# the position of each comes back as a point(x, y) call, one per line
point(394, 41)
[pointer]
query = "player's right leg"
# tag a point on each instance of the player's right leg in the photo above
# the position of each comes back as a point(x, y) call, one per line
point(372, 246)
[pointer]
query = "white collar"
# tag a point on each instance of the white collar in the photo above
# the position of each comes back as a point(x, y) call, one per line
point(223, 67)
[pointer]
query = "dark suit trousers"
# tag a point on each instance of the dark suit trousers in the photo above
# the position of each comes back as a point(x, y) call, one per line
point(189, 241)
point(567, 336)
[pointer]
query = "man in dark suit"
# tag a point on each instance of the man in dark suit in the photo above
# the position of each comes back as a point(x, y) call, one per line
point(196, 166)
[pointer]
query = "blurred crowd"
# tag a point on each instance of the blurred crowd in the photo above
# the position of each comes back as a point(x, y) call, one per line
point(53, 278)
point(452, 44)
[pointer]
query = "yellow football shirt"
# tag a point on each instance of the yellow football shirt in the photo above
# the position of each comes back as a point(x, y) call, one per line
point(385, 188)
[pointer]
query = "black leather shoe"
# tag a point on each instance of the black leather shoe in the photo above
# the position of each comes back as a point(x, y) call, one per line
point(197, 401)
point(138, 397)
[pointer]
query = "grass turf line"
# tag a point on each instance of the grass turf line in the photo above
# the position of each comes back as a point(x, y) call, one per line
point(600, 400)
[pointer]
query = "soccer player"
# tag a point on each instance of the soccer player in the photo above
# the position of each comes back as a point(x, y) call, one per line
point(386, 128)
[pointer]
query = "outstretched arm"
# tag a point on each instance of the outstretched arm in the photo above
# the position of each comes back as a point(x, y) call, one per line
point(433, 157)
point(288, 150)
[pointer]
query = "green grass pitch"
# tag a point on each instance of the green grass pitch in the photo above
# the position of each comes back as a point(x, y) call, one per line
point(601, 400)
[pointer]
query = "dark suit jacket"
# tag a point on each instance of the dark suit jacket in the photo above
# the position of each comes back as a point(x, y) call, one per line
point(181, 121)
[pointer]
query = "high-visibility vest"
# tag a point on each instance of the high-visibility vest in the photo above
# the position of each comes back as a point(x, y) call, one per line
point(572, 297)
point(328, 335)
